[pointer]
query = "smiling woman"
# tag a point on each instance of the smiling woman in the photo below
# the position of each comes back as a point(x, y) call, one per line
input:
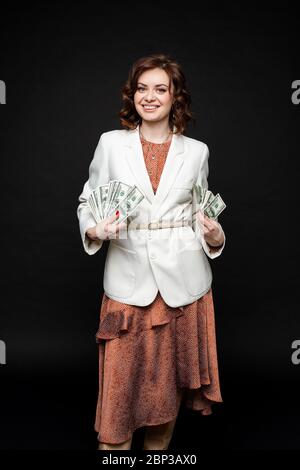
point(156, 335)
point(155, 97)
point(156, 81)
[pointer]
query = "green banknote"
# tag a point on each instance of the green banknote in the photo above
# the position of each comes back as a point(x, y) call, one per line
point(106, 199)
point(212, 205)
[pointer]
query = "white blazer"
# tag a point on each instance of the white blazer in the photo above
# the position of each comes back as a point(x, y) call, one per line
point(171, 260)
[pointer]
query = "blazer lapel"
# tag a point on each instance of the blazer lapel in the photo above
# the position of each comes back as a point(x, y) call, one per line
point(135, 159)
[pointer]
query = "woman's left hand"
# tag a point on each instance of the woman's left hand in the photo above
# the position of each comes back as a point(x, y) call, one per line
point(212, 231)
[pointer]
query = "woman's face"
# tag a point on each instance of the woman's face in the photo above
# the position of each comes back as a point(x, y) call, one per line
point(153, 89)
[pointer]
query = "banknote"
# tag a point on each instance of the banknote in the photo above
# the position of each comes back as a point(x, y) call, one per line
point(103, 198)
point(128, 204)
point(95, 205)
point(120, 191)
point(215, 207)
point(212, 205)
point(106, 199)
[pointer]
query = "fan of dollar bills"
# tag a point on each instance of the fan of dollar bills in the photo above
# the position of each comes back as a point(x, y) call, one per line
point(108, 198)
point(212, 205)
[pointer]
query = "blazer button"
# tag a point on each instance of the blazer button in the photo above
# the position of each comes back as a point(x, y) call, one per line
point(152, 256)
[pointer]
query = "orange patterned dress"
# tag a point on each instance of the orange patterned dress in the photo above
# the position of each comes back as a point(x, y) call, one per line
point(146, 353)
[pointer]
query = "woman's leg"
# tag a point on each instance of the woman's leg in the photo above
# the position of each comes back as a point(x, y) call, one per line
point(159, 436)
point(126, 445)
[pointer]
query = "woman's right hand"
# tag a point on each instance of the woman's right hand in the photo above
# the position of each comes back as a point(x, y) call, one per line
point(105, 229)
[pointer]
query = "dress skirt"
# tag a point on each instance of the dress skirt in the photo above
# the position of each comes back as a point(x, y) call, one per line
point(145, 355)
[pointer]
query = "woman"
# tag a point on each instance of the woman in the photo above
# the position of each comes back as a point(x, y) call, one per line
point(156, 334)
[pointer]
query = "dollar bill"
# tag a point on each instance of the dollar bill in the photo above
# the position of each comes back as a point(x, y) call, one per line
point(96, 201)
point(106, 199)
point(122, 190)
point(129, 204)
point(111, 191)
point(93, 207)
point(216, 206)
point(103, 192)
point(212, 205)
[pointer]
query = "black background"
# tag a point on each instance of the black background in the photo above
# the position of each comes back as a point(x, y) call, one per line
point(64, 66)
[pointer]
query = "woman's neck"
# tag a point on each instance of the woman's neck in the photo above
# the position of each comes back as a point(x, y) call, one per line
point(155, 131)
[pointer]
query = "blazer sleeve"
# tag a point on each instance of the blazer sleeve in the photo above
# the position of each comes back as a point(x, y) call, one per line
point(202, 180)
point(98, 175)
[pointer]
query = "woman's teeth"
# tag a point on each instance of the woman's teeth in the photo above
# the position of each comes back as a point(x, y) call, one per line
point(150, 108)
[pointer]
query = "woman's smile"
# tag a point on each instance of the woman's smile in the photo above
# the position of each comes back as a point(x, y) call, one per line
point(149, 108)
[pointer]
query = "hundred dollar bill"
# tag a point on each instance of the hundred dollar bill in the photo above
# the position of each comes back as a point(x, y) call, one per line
point(203, 195)
point(107, 198)
point(129, 204)
point(103, 198)
point(121, 191)
point(96, 201)
point(93, 206)
point(198, 193)
point(206, 199)
point(214, 209)
point(111, 191)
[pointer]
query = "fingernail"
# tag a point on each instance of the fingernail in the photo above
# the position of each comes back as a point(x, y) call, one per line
point(117, 213)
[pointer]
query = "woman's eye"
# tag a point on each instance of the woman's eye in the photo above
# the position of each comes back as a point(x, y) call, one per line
point(140, 89)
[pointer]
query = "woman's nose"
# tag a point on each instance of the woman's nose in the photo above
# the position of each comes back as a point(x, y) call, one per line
point(150, 95)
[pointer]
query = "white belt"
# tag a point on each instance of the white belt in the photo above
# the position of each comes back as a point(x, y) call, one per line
point(157, 225)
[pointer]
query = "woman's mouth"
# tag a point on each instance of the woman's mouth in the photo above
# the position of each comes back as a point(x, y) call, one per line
point(150, 108)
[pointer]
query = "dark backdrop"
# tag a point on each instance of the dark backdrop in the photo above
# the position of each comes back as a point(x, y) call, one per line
point(64, 66)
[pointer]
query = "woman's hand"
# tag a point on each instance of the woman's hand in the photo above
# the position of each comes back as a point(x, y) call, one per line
point(211, 229)
point(105, 229)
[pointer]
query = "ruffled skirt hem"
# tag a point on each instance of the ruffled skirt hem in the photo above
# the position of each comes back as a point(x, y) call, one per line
point(145, 355)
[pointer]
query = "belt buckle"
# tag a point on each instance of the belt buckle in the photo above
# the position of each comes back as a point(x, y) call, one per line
point(155, 225)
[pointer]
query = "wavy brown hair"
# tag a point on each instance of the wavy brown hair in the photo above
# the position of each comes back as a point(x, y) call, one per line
point(180, 113)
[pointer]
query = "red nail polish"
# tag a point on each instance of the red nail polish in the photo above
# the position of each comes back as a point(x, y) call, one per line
point(117, 213)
